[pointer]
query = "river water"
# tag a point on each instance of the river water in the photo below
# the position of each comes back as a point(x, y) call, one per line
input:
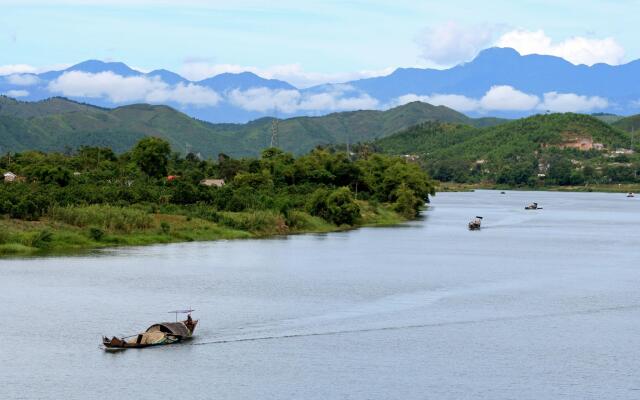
point(537, 305)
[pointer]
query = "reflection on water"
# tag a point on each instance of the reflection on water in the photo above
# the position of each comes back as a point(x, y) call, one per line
point(538, 304)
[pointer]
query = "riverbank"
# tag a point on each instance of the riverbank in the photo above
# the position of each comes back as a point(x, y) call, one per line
point(609, 188)
point(59, 235)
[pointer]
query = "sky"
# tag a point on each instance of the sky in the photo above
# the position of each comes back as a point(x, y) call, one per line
point(308, 42)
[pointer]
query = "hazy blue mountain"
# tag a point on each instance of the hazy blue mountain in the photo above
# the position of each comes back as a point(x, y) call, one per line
point(614, 86)
point(242, 81)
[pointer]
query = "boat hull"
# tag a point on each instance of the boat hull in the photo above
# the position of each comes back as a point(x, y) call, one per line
point(156, 335)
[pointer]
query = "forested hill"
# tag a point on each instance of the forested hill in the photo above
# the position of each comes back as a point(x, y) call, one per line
point(629, 124)
point(517, 151)
point(58, 124)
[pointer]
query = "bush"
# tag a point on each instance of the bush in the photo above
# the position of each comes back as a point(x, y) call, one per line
point(25, 209)
point(38, 239)
point(337, 206)
point(96, 233)
point(165, 227)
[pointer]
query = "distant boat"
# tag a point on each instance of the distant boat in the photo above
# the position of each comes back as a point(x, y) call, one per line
point(162, 333)
point(533, 206)
point(630, 195)
point(502, 192)
point(475, 223)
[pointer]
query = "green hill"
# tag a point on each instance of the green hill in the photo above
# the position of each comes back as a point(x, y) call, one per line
point(464, 153)
point(519, 137)
point(57, 124)
point(628, 124)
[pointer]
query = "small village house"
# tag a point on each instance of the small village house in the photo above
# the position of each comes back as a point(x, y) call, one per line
point(212, 182)
point(10, 176)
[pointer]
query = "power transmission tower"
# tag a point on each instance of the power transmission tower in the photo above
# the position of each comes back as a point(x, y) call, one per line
point(274, 129)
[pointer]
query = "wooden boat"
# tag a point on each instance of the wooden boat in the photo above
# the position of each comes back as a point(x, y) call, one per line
point(162, 333)
point(533, 206)
point(475, 223)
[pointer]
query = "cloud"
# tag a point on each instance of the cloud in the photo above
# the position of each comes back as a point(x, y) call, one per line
point(294, 74)
point(451, 42)
point(17, 69)
point(17, 93)
point(120, 89)
point(22, 79)
point(565, 102)
point(291, 101)
point(576, 49)
point(507, 99)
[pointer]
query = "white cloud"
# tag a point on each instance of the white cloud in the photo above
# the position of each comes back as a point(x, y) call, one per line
point(451, 43)
point(565, 102)
point(577, 49)
point(22, 79)
point(17, 69)
point(506, 98)
point(291, 101)
point(291, 73)
point(11, 69)
point(17, 93)
point(120, 89)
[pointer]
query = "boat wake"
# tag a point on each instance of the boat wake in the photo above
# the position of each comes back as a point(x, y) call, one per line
point(420, 326)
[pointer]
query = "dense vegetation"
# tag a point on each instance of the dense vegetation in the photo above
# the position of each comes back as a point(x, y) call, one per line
point(62, 125)
point(95, 197)
point(530, 151)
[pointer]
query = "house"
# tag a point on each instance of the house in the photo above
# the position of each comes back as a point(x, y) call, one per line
point(212, 182)
point(580, 143)
point(619, 152)
point(9, 176)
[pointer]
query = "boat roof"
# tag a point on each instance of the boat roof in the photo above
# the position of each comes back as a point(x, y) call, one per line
point(176, 328)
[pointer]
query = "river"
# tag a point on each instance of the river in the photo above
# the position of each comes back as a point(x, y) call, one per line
point(537, 305)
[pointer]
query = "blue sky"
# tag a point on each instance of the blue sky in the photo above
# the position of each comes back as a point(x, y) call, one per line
point(308, 41)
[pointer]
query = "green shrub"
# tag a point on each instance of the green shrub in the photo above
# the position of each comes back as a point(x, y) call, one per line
point(165, 227)
point(96, 233)
point(38, 239)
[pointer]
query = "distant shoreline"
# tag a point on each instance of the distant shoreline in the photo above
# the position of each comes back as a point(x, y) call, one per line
point(604, 188)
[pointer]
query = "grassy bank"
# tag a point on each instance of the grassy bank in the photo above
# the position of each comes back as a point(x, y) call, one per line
point(611, 188)
point(74, 229)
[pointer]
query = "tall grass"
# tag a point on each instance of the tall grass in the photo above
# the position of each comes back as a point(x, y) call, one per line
point(258, 222)
point(110, 218)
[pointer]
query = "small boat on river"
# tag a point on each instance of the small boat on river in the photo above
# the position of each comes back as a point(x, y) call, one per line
point(158, 334)
point(630, 194)
point(475, 223)
point(533, 206)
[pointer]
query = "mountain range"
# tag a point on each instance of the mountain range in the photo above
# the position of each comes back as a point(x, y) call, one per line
point(499, 82)
point(59, 124)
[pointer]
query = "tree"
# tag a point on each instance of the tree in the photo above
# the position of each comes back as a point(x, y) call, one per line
point(407, 203)
point(151, 154)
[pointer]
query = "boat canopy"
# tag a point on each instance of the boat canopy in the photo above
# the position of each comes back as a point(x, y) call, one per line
point(176, 328)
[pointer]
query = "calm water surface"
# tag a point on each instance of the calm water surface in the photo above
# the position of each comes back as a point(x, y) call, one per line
point(537, 305)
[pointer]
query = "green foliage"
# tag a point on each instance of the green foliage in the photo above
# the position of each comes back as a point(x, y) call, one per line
point(337, 206)
point(55, 124)
point(96, 233)
point(117, 219)
point(165, 227)
point(407, 203)
point(151, 154)
point(514, 153)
